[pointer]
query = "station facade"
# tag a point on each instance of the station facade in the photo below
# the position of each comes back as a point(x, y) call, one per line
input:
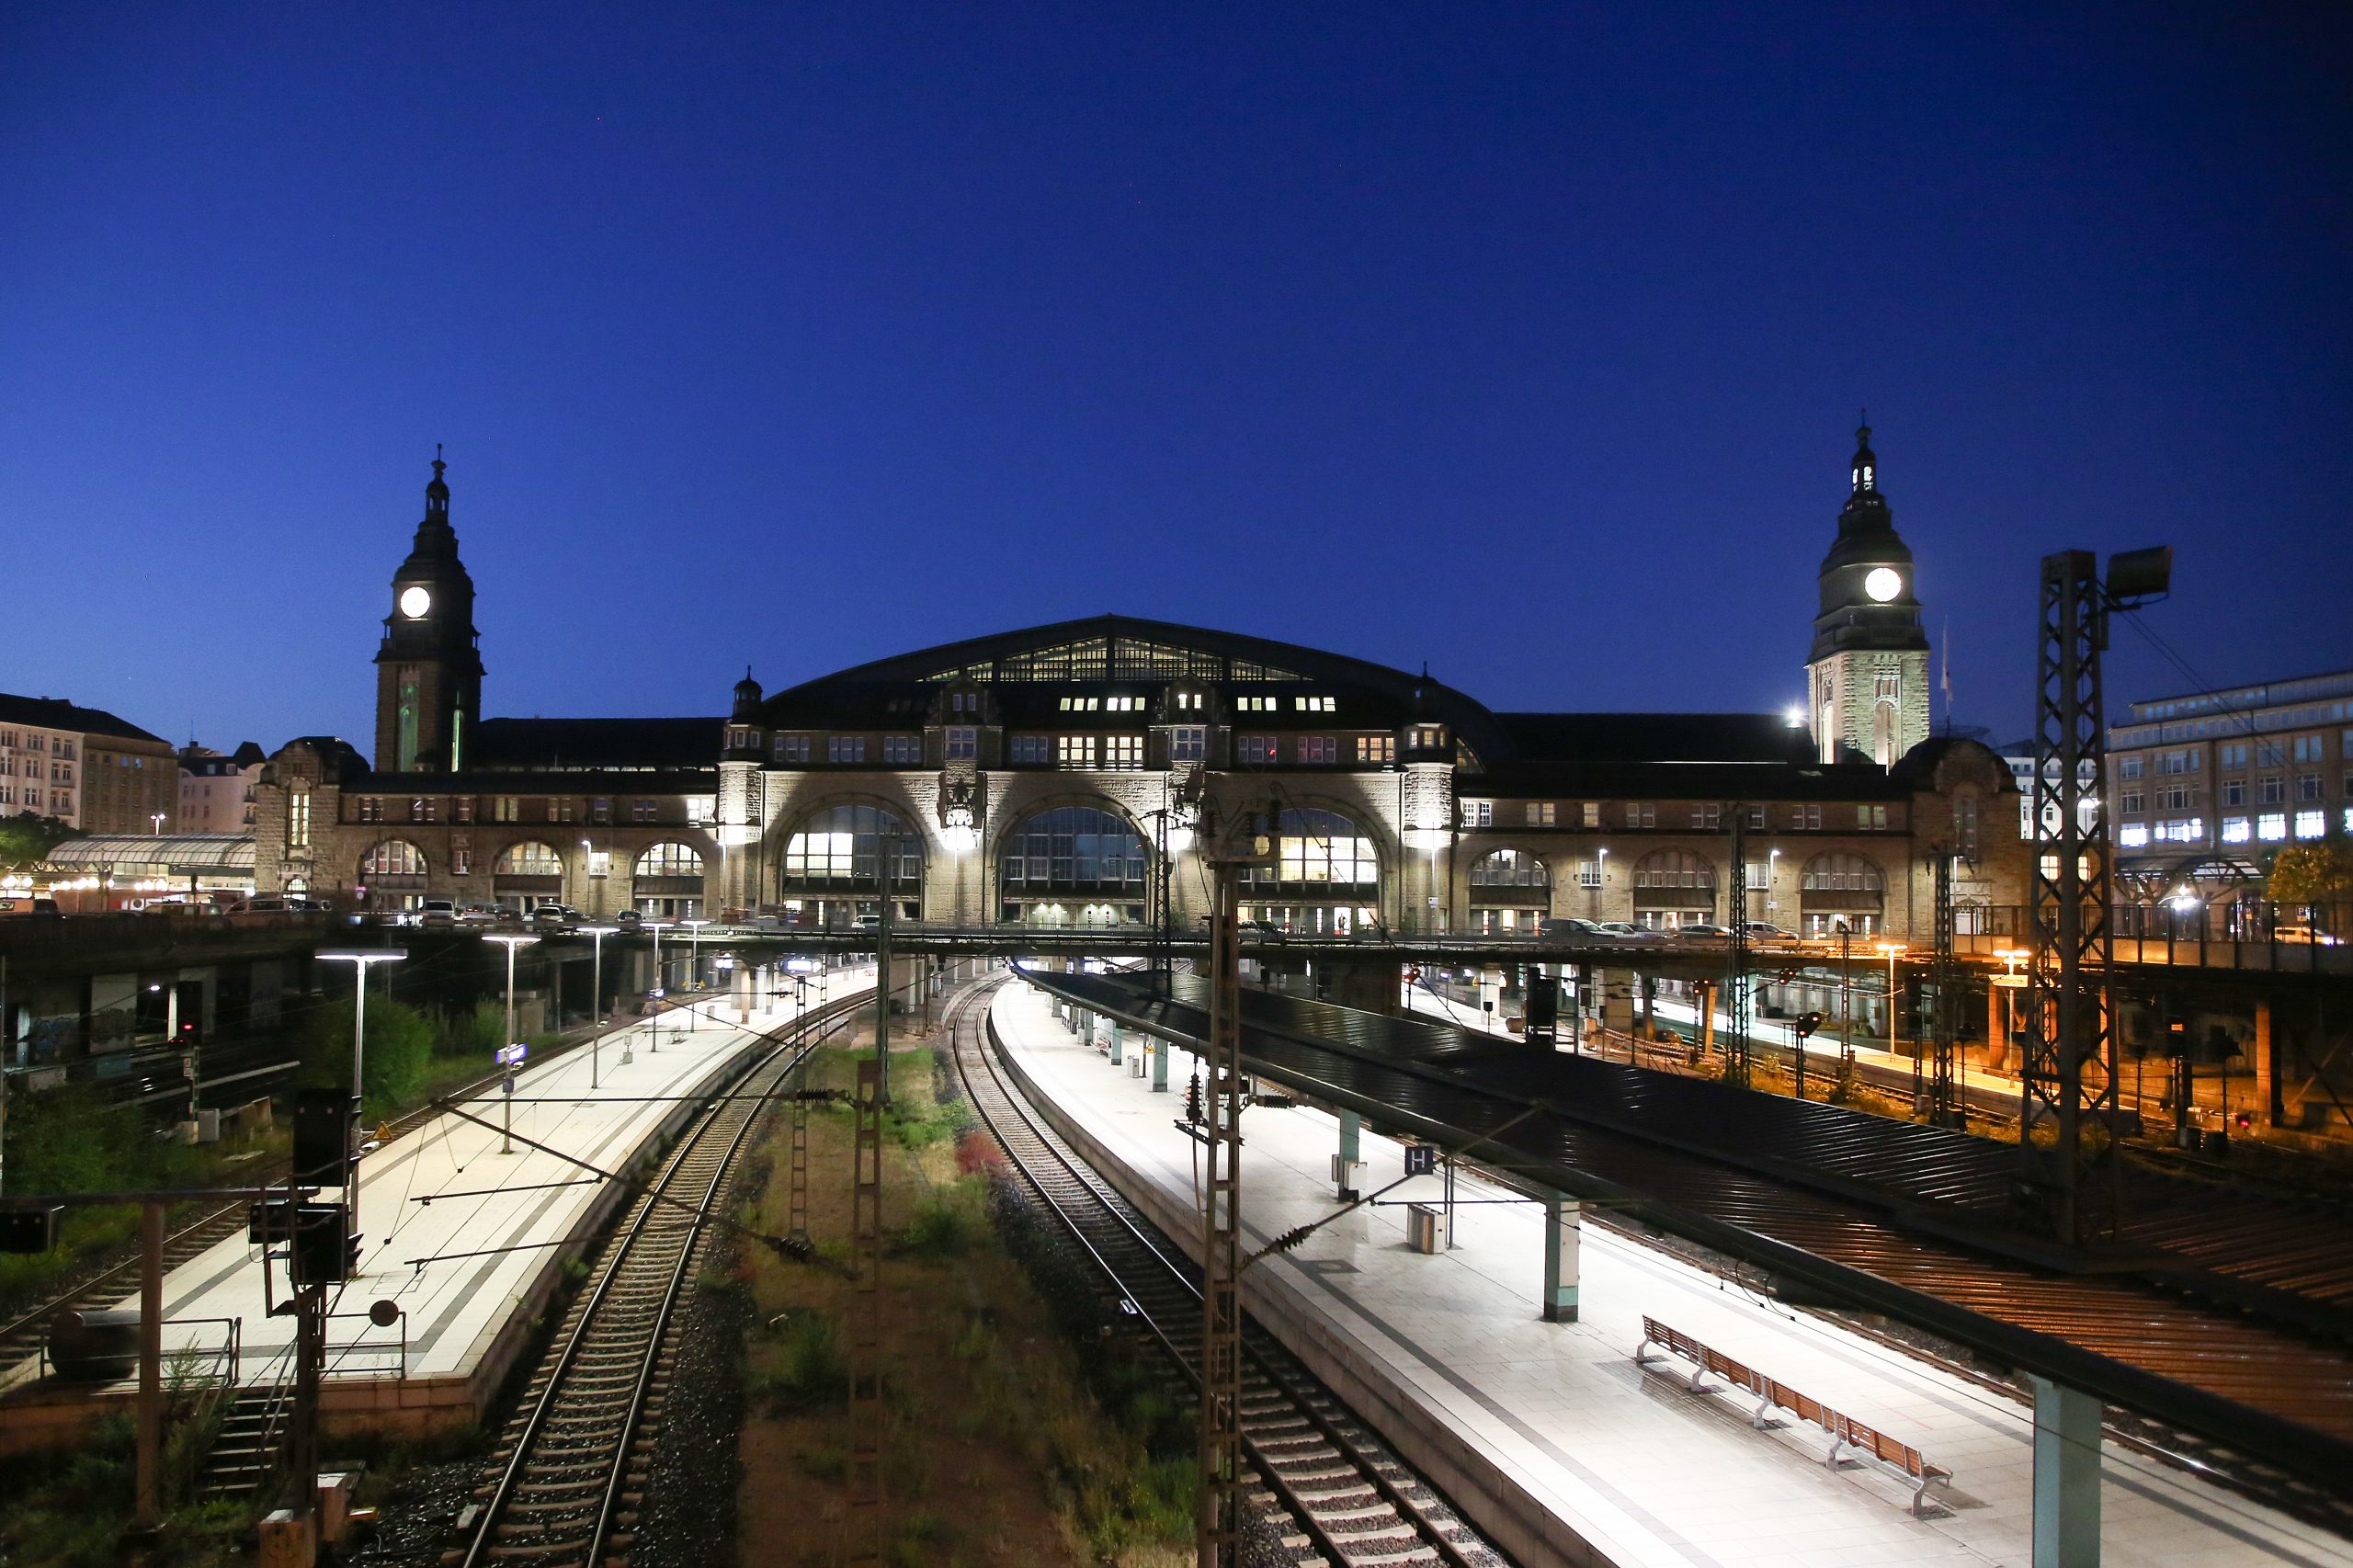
point(1067, 775)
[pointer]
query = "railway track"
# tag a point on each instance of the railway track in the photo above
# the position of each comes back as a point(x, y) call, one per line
point(21, 1336)
point(565, 1482)
point(1339, 1495)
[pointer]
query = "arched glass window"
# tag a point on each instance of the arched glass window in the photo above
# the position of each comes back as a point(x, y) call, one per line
point(530, 858)
point(671, 859)
point(1839, 872)
point(1317, 849)
point(1074, 849)
point(840, 846)
point(1675, 868)
point(392, 858)
point(1510, 868)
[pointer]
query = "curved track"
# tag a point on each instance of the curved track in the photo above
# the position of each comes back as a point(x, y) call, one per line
point(563, 1484)
point(1340, 1496)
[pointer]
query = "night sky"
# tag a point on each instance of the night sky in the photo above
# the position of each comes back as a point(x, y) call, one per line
point(1528, 341)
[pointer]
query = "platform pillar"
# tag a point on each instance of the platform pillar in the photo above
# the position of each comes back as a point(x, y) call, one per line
point(2067, 1476)
point(1617, 1005)
point(1350, 1159)
point(1159, 1049)
point(1650, 1004)
point(2267, 1080)
point(1116, 1057)
point(1563, 1222)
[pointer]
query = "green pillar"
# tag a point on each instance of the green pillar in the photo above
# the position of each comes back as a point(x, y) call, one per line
point(1159, 1066)
point(2067, 1476)
point(1563, 1221)
point(1115, 1042)
point(1343, 1167)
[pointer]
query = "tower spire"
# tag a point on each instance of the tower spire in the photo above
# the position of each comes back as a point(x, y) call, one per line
point(437, 491)
point(1866, 466)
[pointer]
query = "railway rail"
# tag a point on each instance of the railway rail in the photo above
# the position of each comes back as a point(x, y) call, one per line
point(1344, 1499)
point(564, 1483)
point(21, 1336)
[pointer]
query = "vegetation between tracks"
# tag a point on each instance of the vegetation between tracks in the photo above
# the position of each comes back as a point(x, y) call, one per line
point(1018, 1433)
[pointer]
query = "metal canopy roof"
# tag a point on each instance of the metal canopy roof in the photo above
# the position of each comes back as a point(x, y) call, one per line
point(181, 853)
point(1889, 1222)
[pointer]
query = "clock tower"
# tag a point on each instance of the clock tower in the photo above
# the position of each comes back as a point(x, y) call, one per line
point(429, 668)
point(1866, 677)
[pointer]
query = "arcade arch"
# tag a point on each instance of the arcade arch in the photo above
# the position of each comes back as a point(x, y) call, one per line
point(665, 881)
point(527, 874)
point(1511, 890)
point(831, 871)
point(1674, 888)
point(1326, 880)
point(1074, 865)
point(1840, 885)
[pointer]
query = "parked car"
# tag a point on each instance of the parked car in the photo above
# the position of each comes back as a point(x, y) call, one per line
point(41, 907)
point(439, 912)
point(1701, 931)
point(629, 920)
point(1625, 932)
point(2305, 936)
point(266, 904)
point(1568, 927)
point(554, 917)
point(477, 915)
point(1765, 931)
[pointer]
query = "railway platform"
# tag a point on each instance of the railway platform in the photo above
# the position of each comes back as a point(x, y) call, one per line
point(465, 1241)
point(1547, 1432)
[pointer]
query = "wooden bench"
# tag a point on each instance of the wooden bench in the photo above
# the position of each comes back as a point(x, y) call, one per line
point(1847, 1434)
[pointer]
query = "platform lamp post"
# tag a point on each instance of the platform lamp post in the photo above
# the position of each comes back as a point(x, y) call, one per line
point(1891, 951)
point(694, 961)
point(653, 1029)
point(597, 934)
point(507, 1121)
point(359, 958)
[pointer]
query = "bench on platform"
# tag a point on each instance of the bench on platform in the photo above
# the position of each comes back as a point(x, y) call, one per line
point(1847, 1434)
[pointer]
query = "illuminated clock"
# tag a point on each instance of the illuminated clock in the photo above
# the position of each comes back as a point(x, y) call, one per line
point(416, 601)
point(1884, 584)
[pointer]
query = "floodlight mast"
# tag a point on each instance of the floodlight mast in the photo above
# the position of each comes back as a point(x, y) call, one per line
point(2070, 1017)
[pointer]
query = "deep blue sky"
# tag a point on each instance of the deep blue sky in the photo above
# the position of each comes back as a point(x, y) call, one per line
point(1526, 340)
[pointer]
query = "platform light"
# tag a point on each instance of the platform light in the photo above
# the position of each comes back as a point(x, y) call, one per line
point(359, 958)
point(1795, 716)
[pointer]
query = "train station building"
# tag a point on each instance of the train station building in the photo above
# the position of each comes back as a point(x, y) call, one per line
point(1064, 775)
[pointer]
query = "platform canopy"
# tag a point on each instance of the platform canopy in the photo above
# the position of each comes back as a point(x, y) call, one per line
point(179, 854)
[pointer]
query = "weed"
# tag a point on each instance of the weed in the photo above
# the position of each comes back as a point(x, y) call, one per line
point(809, 1370)
point(825, 1463)
point(944, 1223)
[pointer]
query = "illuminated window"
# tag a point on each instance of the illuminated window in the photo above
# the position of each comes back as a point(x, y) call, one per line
point(2132, 835)
point(2311, 823)
point(962, 742)
point(1255, 748)
point(1074, 751)
point(532, 859)
point(1074, 849)
point(2237, 830)
point(1478, 813)
point(1315, 849)
point(1318, 749)
point(1588, 873)
point(1509, 868)
point(842, 846)
point(902, 750)
point(1256, 704)
point(394, 857)
point(1123, 704)
point(2271, 826)
point(1541, 813)
point(1189, 743)
point(844, 748)
point(671, 859)
point(1376, 748)
point(1124, 753)
point(505, 808)
point(298, 818)
point(1033, 748)
point(1188, 701)
point(1311, 704)
point(1592, 812)
point(462, 860)
point(1870, 816)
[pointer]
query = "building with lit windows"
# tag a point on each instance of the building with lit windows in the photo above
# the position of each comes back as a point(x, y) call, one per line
point(216, 792)
point(85, 767)
point(1066, 776)
point(2203, 789)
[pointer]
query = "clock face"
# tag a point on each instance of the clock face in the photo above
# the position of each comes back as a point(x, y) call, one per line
point(1884, 584)
point(416, 601)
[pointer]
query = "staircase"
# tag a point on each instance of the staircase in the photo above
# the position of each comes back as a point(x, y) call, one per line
point(249, 1447)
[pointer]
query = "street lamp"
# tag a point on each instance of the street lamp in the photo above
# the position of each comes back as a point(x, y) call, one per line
point(157, 818)
point(652, 1030)
point(360, 959)
point(1891, 951)
point(506, 1128)
point(596, 994)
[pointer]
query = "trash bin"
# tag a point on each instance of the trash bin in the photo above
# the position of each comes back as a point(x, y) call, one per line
point(1424, 1227)
point(93, 1345)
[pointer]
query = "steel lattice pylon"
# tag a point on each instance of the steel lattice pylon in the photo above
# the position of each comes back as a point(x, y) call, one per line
point(867, 1523)
point(1736, 995)
point(1944, 1017)
point(1217, 1525)
point(2069, 1082)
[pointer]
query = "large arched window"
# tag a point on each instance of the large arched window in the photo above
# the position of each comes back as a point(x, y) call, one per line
point(1836, 890)
point(1839, 872)
point(390, 861)
point(668, 859)
point(841, 848)
point(1511, 869)
point(1670, 869)
point(532, 859)
point(1072, 849)
point(1317, 849)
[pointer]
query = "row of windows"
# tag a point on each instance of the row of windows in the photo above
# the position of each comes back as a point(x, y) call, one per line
point(1187, 742)
point(2236, 754)
point(2269, 789)
point(36, 741)
point(398, 858)
point(2264, 827)
point(462, 809)
point(1705, 818)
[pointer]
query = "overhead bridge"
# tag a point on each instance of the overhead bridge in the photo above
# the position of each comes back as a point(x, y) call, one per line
point(2225, 1316)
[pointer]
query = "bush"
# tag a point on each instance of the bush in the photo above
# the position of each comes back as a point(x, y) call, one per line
point(809, 1368)
point(399, 1049)
point(476, 1033)
point(943, 1223)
